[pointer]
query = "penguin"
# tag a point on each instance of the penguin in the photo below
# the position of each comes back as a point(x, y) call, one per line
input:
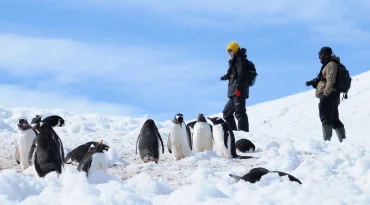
point(224, 139)
point(47, 156)
point(255, 175)
point(75, 156)
point(148, 142)
point(202, 135)
point(54, 121)
point(179, 139)
point(94, 160)
point(26, 137)
point(244, 145)
point(38, 124)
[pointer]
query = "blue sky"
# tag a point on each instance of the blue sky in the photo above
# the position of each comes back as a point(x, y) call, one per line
point(163, 57)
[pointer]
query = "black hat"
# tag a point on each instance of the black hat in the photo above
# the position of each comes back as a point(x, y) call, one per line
point(326, 51)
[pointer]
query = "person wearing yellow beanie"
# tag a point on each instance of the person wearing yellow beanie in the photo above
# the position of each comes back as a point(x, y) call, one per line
point(238, 88)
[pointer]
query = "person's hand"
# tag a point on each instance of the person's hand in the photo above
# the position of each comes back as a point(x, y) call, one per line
point(237, 93)
point(225, 77)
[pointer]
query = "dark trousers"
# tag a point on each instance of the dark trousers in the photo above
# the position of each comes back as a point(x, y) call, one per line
point(328, 109)
point(236, 105)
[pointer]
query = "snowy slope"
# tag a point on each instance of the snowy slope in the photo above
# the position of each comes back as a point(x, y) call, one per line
point(286, 131)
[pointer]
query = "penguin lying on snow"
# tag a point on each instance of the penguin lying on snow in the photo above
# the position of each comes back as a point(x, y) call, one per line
point(202, 135)
point(179, 139)
point(148, 142)
point(224, 139)
point(75, 156)
point(26, 137)
point(47, 155)
point(244, 145)
point(94, 160)
point(255, 175)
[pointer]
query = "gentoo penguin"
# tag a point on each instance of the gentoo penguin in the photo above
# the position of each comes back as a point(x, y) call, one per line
point(94, 160)
point(148, 142)
point(46, 156)
point(179, 139)
point(244, 145)
point(202, 135)
point(76, 155)
point(25, 138)
point(255, 175)
point(54, 121)
point(224, 139)
point(38, 124)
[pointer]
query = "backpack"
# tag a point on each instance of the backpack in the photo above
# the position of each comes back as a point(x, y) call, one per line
point(251, 72)
point(343, 80)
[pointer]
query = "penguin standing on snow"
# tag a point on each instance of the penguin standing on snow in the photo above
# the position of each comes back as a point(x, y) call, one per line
point(47, 155)
point(179, 139)
point(94, 160)
point(256, 174)
point(26, 137)
point(76, 155)
point(224, 139)
point(148, 142)
point(202, 135)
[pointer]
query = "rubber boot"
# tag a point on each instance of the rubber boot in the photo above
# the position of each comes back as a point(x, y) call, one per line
point(327, 131)
point(341, 133)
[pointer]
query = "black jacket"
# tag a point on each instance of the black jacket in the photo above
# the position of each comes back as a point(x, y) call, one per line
point(237, 74)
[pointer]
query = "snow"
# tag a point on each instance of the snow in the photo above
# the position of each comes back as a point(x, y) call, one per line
point(286, 132)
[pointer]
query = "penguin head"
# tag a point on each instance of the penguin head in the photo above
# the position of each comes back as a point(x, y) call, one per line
point(201, 118)
point(23, 124)
point(60, 122)
point(216, 120)
point(179, 119)
point(100, 146)
point(36, 122)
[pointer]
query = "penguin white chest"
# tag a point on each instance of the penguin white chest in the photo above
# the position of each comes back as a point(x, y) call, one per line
point(180, 141)
point(25, 139)
point(219, 137)
point(98, 163)
point(202, 137)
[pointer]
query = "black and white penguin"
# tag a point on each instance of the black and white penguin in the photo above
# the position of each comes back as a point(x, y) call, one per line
point(244, 145)
point(224, 139)
point(179, 139)
point(75, 156)
point(38, 124)
point(148, 142)
point(255, 175)
point(46, 156)
point(54, 121)
point(26, 137)
point(94, 160)
point(202, 135)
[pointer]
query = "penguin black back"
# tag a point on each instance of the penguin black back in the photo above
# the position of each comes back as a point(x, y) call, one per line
point(147, 142)
point(256, 174)
point(54, 121)
point(244, 145)
point(78, 153)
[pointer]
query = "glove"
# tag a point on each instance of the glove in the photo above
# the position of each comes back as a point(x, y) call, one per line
point(308, 83)
point(237, 93)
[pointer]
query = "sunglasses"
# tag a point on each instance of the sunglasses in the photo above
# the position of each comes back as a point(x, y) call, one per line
point(229, 51)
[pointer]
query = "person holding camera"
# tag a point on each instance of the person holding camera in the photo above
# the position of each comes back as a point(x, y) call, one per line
point(329, 97)
point(238, 88)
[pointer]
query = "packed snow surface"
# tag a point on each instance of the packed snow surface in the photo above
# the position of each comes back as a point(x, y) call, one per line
point(286, 132)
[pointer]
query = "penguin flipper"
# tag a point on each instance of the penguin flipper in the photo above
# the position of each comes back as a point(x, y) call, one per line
point(169, 143)
point(226, 134)
point(32, 150)
point(160, 138)
point(189, 136)
point(235, 177)
point(138, 137)
point(17, 155)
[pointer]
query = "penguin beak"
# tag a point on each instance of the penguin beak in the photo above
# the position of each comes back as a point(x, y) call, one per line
point(211, 119)
point(106, 148)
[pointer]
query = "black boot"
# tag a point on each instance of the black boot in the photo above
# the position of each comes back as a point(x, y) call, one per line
point(341, 133)
point(327, 131)
point(243, 123)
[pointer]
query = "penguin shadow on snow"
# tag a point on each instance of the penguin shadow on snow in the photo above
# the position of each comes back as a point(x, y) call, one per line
point(256, 174)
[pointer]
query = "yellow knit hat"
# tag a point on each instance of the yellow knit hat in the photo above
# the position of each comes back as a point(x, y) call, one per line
point(233, 46)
